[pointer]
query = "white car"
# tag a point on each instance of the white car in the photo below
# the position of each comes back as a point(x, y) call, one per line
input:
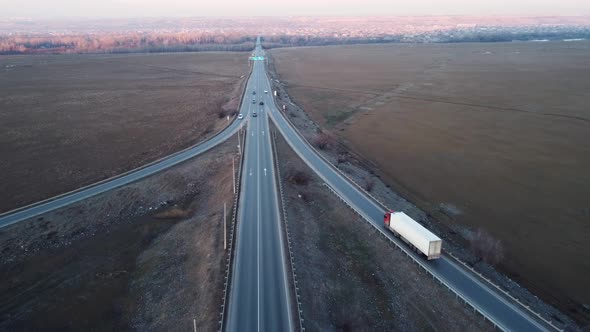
point(265, 91)
point(240, 116)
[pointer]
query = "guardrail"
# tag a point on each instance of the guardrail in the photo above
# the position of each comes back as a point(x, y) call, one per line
point(288, 235)
point(406, 251)
point(481, 276)
point(383, 206)
point(230, 249)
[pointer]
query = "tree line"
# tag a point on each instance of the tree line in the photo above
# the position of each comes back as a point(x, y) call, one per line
point(125, 42)
point(447, 36)
point(238, 41)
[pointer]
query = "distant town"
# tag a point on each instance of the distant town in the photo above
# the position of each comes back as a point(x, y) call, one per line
point(28, 36)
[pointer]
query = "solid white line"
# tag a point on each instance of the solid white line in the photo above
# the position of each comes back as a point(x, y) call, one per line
point(258, 226)
point(278, 218)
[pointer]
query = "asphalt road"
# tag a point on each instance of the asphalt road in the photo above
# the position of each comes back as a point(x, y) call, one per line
point(11, 217)
point(504, 314)
point(259, 289)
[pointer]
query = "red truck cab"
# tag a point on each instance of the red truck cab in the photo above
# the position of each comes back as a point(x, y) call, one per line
point(387, 218)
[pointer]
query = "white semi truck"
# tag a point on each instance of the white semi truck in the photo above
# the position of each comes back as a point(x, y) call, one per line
point(413, 234)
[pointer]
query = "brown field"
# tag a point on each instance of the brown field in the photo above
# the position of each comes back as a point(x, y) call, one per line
point(495, 135)
point(71, 120)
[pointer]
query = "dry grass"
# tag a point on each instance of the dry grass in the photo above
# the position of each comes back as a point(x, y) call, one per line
point(174, 213)
point(499, 131)
point(71, 120)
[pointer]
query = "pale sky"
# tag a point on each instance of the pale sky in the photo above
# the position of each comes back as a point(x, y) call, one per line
point(146, 8)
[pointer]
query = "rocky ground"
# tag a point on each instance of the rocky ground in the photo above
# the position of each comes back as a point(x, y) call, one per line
point(367, 175)
point(354, 279)
point(147, 256)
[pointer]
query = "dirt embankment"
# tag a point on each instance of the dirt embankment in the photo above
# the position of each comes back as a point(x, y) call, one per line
point(478, 136)
point(148, 256)
point(349, 276)
point(71, 120)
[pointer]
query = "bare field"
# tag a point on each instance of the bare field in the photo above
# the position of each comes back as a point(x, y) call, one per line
point(71, 120)
point(491, 136)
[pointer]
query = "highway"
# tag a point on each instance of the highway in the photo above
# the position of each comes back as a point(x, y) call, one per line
point(259, 297)
point(505, 315)
point(11, 217)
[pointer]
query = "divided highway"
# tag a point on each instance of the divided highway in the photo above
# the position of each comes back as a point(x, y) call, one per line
point(259, 297)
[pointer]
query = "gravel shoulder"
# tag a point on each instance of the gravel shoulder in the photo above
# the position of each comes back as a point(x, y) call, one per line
point(147, 256)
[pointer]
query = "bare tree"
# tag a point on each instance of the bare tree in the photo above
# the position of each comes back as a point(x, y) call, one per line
point(486, 247)
point(323, 140)
point(298, 177)
point(368, 184)
point(342, 158)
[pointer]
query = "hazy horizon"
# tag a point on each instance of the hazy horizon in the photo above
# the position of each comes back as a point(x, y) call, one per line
point(41, 9)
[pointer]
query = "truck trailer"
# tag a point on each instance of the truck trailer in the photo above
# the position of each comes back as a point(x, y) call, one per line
point(413, 234)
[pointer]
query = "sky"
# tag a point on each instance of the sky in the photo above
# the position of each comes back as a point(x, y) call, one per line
point(179, 8)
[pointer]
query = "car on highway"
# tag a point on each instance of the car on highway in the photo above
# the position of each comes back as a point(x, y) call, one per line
point(253, 92)
point(253, 101)
point(261, 103)
point(254, 114)
point(265, 91)
point(240, 116)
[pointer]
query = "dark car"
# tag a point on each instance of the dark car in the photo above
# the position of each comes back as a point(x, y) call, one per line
point(261, 103)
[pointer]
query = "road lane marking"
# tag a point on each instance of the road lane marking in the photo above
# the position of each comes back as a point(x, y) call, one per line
point(278, 220)
point(265, 172)
point(258, 231)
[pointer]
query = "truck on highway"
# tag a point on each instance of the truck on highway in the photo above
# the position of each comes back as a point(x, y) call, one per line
point(414, 234)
